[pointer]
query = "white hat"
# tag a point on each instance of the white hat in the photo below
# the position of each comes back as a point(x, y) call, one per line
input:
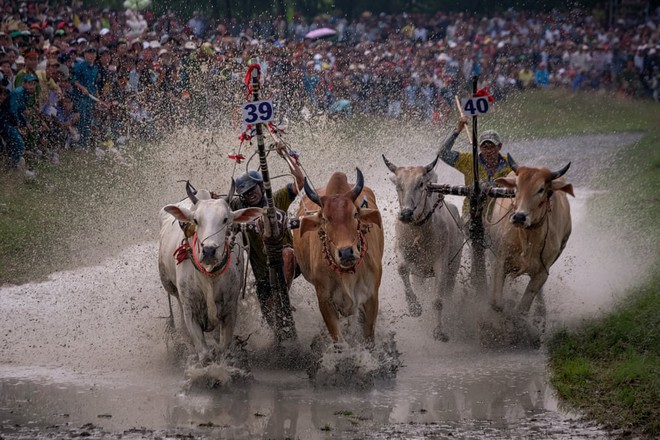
point(162, 51)
point(81, 40)
point(145, 45)
point(20, 60)
point(190, 45)
point(104, 31)
point(154, 44)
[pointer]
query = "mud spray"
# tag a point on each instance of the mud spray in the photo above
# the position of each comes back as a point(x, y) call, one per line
point(92, 340)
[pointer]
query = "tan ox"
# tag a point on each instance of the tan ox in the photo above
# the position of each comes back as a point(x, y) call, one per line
point(339, 250)
point(428, 236)
point(530, 231)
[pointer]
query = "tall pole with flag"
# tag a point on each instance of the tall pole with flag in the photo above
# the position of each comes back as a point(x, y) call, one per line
point(476, 227)
point(273, 231)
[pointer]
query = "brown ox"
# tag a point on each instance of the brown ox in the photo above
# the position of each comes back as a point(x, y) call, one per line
point(530, 230)
point(339, 249)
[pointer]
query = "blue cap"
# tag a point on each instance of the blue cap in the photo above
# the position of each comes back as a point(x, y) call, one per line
point(30, 77)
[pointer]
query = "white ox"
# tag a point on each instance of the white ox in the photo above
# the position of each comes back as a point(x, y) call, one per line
point(530, 231)
point(428, 236)
point(340, 251)
point(204, 271)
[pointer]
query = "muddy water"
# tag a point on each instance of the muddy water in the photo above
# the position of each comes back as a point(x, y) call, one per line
point(86, 353)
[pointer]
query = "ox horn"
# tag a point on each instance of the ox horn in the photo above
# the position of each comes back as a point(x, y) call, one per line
point(557, 174)
point(232, 188)
point(389, 164)
point(191, 191)
point(359, 184)
point(311, 194)
point(428, 168)
point(512, 163)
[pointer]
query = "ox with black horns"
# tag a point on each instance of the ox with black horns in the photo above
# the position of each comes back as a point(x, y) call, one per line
point(201, 266)
point(428, 236)
point(339, 249)
point(529, 231)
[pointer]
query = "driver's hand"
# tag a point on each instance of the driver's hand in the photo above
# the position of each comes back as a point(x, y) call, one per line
point(462, 123)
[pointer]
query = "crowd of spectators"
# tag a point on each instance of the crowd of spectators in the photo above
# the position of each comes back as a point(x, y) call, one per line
point(90, 79)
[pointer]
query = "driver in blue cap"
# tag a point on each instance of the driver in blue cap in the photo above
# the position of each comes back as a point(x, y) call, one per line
point(250, 190)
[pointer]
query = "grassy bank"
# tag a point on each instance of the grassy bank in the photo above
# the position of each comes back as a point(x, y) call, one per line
point(53, 222)
point(610, 368)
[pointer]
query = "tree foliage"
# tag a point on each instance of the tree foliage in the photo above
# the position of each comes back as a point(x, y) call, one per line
point(244, 10)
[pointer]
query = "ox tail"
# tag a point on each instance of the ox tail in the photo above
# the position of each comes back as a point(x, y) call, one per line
point(170, 321)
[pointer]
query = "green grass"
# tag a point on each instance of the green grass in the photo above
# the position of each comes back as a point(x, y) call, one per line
point(48, 223)
point(610, 368)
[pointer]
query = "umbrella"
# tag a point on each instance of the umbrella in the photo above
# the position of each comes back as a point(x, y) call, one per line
point(137, 5)
point(321, 33)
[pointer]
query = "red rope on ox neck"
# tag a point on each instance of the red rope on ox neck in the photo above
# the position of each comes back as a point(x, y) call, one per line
point(185, 251)
point(331, 262)
point(215, 272)
point(182, 253)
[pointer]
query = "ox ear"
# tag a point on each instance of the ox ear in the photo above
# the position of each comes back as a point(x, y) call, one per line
point(247, 215)
point(309, 223)
point(180, 213)
point(560, 185)
point(507, 182)
point(371, 216)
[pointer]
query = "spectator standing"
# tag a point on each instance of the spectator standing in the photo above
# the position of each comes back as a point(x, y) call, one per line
point(14, 120)
point(84, 79)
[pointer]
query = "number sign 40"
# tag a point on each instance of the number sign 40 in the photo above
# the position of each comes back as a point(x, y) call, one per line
point(474, 106)
point(257, 111)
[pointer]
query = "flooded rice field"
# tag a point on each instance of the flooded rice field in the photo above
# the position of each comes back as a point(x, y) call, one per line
point(86, 352)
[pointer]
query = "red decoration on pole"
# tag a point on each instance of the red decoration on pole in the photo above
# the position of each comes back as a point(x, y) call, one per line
point(239, 158)
point(485, 92)
point(248, 77)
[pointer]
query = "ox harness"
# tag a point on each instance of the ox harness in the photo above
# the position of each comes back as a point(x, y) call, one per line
point(185, 251)
point(330, 261)
point(421, 221)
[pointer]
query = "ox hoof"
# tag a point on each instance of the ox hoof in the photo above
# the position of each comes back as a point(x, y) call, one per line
point(496, 308)
point(439, 335)
point(415, 309)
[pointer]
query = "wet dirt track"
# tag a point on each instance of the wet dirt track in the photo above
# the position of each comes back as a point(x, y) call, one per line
point(85, 352)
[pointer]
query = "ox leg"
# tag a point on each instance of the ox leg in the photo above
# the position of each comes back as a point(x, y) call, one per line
point(414, 308)
point(331, 320)
point(370, 311)
point(454, 267)
point(498, 286)
point(535, 285)
point(211, 308)
point(441, 288)
point(196, 333)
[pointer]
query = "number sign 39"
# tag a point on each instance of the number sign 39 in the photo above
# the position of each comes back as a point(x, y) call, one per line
point(474, 106)
point(257, 111)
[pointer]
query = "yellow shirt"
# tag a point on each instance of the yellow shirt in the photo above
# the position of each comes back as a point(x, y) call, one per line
point(464, 165)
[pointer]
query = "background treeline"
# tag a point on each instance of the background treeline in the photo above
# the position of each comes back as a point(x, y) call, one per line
point(350, 9)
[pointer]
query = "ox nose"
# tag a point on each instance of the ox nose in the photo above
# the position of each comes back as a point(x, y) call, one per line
point(346, 255)
point(519, 218)
point(208, 253)
point(406, 215)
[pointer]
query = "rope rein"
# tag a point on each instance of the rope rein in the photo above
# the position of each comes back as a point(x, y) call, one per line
point(426, 218)
point(330, 261)
point(186, 251)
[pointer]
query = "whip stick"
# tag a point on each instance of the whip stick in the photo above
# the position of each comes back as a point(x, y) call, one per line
point(460, 111)
point(273, 236)
point(476, 227)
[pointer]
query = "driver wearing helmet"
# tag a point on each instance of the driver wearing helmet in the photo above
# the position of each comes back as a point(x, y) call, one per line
point(250, 189)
